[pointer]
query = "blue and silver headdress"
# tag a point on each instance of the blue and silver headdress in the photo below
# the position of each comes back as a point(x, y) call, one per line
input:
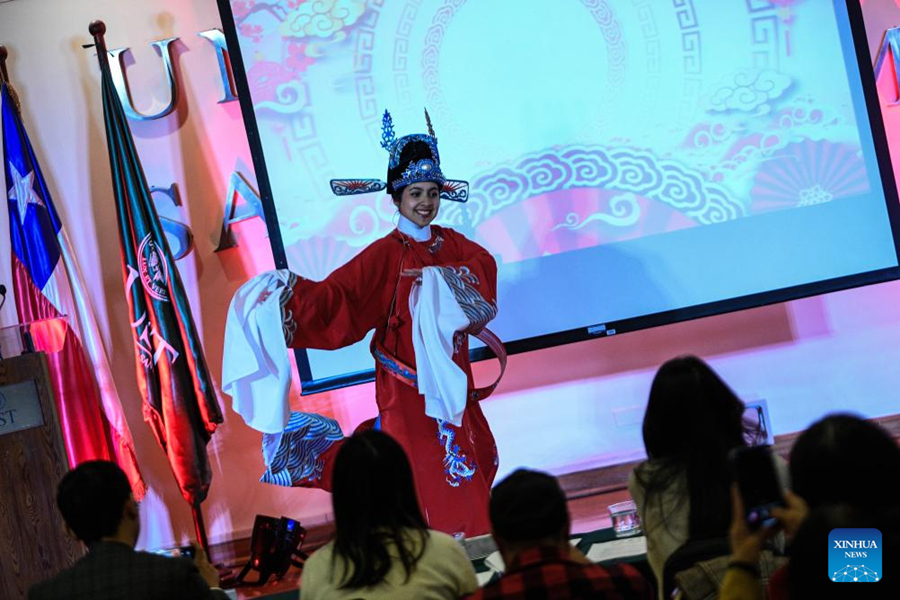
point(413, 159)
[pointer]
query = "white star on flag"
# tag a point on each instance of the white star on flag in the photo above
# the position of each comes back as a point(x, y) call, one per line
point(22, 191)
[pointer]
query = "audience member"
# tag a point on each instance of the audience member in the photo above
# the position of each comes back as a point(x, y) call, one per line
point(383, 547)
point(692, 422)
point(530, 524)
point(865, 455)
point(96, 504)
point(844, 471)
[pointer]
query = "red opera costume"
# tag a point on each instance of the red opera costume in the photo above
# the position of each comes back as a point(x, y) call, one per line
point(454, 466)
point(423, 289)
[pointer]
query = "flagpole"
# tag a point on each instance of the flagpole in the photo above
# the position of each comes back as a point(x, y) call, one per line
point(4, 76)
point(98, 30)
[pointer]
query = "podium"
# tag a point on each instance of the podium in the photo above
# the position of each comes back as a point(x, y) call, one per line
point(33, 540)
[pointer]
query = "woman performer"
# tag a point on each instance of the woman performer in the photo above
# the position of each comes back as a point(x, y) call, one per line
point(422, 288)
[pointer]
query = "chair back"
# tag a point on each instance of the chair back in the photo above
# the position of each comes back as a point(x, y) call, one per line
point(689, 554)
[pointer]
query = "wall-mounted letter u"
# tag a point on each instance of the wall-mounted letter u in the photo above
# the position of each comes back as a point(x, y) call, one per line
point(117, 69)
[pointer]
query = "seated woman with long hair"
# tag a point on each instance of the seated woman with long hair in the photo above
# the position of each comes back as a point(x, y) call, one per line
point(383, 547)
point(693, 420)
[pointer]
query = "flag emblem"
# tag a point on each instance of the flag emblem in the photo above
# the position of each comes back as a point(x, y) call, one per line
point(154, 270)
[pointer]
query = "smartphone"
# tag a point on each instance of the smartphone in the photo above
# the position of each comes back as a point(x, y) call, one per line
point(187, 552)
point(754, 471)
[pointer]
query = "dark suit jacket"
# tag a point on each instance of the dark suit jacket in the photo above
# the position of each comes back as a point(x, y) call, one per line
point(115, 571)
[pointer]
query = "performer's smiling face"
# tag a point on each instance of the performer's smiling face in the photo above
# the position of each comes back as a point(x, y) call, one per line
point(419, 202)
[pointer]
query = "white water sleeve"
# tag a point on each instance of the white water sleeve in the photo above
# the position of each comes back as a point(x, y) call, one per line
point(436, 317)
point(256, 370)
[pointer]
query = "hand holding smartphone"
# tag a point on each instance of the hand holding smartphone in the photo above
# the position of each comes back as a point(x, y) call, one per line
point(754, 472)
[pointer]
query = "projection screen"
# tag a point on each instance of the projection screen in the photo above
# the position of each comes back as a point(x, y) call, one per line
point(631, 164)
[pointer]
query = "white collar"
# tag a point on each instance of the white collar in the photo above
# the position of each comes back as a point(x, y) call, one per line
point(420, 234)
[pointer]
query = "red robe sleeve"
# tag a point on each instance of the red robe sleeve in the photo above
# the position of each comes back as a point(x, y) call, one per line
point(350, 302)
point(472, 277)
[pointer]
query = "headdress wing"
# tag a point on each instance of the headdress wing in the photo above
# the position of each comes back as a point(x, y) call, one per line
point(352, 187)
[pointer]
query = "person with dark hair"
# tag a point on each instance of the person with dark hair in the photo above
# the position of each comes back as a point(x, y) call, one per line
point(692, 422)
point(530, 524)
point(423, 289)
point(96, 504)
point(865, 455)
point(844, 471)
point(382, 546)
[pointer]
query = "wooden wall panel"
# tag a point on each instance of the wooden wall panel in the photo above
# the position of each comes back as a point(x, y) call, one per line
point(33, 541)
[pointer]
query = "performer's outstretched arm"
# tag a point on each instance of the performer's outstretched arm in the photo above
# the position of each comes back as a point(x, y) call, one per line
point(343, 308)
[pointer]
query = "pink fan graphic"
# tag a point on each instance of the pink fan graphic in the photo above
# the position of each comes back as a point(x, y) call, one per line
point(320, 255)
point(808, 173)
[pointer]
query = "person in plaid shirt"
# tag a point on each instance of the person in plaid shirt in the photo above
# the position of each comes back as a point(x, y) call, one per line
point(530, 524)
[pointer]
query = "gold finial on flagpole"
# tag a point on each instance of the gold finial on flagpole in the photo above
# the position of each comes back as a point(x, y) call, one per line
point(4, 78)
point(97, 29)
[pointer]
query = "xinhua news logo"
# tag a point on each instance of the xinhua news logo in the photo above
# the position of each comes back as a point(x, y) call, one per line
point(854, 555)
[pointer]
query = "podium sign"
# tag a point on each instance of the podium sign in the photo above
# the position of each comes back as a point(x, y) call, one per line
point(20, 407)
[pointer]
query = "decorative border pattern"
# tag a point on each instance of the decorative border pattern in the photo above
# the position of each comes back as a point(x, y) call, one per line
point(652, 45)
point(628, 170)
point(479, 311)
point(758, 5)
point(686, 16)
point(417, 171)
point(616, 50)
point(288, 324)
point(396, 369)
point(764, 37)
point(400, 62)
point(366, 99)
point(692, 57)
point(305, 438)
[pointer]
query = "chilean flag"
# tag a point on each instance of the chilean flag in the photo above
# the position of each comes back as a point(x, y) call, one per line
point(47, 283)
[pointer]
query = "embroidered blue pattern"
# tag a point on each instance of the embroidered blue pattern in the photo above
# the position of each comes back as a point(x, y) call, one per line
point(458, 338)
point(477, 309)
point(455, 466)
point(351, 187)
point(306, 437)
point(427, 169)
point(420, 170)
point(391, 365)
point(435, 246)
point(388, 139)
point(400, 144)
